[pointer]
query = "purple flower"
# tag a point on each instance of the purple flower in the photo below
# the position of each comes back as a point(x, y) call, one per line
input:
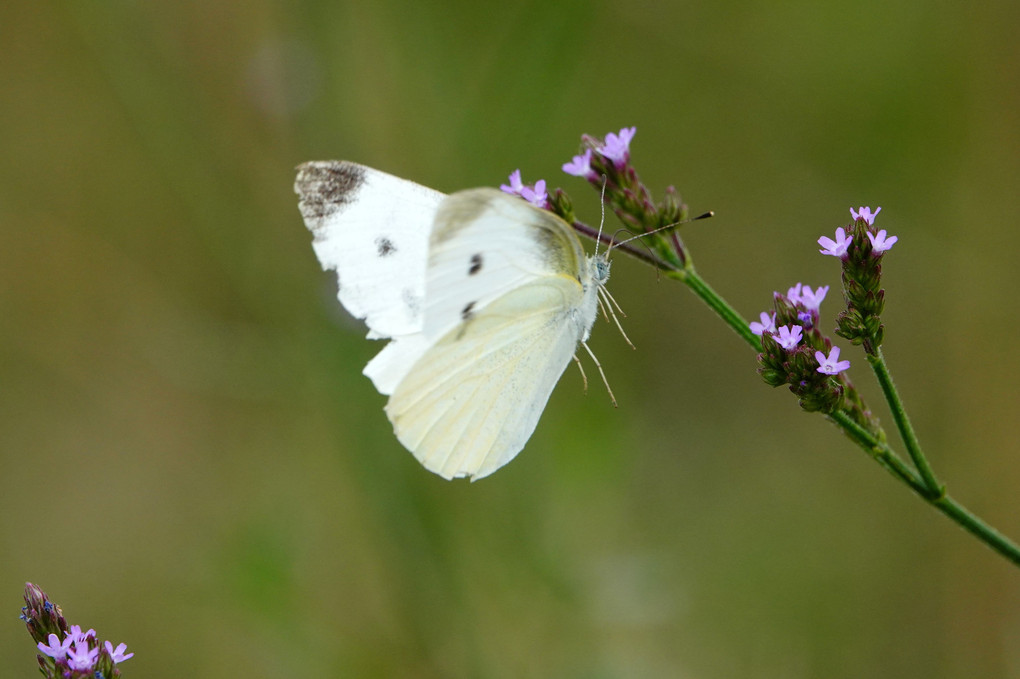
point(865, 213)
point(76, 633)
point(117, 654)
point(56, 649)
point(879, 243)
point(813, 300)
point(580, 166)
point(836, 248)
point(617, 147)
point(536, 196)
point(81, 657)
point(789, 336)
point(793, 294)
point(831, 365)
point(768, 324)
point(515, 187)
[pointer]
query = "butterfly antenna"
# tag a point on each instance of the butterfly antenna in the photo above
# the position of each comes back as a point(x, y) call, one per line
point(602, 219)
point(663, 228)
point(601, 372)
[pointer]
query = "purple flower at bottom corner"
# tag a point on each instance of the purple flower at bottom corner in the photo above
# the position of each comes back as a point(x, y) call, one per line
point(880, 243)
point(831, 365)
point(616, 147)
point(865, 213)
point(789, 336)
point(768, 323)
point(838, 247)
point(117, 654)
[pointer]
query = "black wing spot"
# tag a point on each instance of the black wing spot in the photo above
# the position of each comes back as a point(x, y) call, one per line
point(476, 264)
point(384, 246)
point(466, 313)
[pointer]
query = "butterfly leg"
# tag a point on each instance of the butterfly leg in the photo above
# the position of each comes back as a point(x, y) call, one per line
point(601, 372)
point(583, 376)
point(602, 291)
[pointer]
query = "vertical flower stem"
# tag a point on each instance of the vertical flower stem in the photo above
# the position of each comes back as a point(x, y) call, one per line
point(935, 490)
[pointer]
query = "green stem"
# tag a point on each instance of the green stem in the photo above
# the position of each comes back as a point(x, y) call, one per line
point(885, 456)
point(879, 451)
point(728, 314)
point(877, 361)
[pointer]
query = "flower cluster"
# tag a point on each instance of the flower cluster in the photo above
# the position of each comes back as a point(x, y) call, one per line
point(67, 652)
point(605, 164)
point(794, 350)
point(860, 249)
point(796, 353)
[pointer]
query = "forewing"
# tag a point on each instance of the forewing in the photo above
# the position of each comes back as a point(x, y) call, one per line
point(473, 398)
point(372, 229)
point(486, 243)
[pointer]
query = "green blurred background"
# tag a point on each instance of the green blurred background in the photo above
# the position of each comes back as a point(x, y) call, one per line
point(193, 464)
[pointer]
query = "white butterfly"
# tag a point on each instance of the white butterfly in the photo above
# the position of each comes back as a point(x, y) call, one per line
point(483, 297)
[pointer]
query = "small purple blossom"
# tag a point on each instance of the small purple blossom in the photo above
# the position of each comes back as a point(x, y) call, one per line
point(831, 365)
point(838, 247)
point(789, 336)
point(56, 649)
point(536, 195)
point(580, 166)
point(865, 213)
point(879, 242)
point(117, 654)
point(81, 657)
point(768, 324)
point(793, 294)
point(813, 300)
point(76, 633)
point(617, 147)
point(515, 187)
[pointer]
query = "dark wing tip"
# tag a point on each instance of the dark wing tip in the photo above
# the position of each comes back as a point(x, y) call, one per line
point(325, 187)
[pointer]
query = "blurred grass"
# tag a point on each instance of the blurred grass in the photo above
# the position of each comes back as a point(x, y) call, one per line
point(193, 464)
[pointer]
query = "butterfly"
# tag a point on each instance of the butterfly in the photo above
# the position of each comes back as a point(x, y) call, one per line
point(482, 296)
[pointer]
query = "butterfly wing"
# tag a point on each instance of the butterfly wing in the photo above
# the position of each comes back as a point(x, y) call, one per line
point(372, 229)
point(473, 399)
point(507, 298)
point(485, 243)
